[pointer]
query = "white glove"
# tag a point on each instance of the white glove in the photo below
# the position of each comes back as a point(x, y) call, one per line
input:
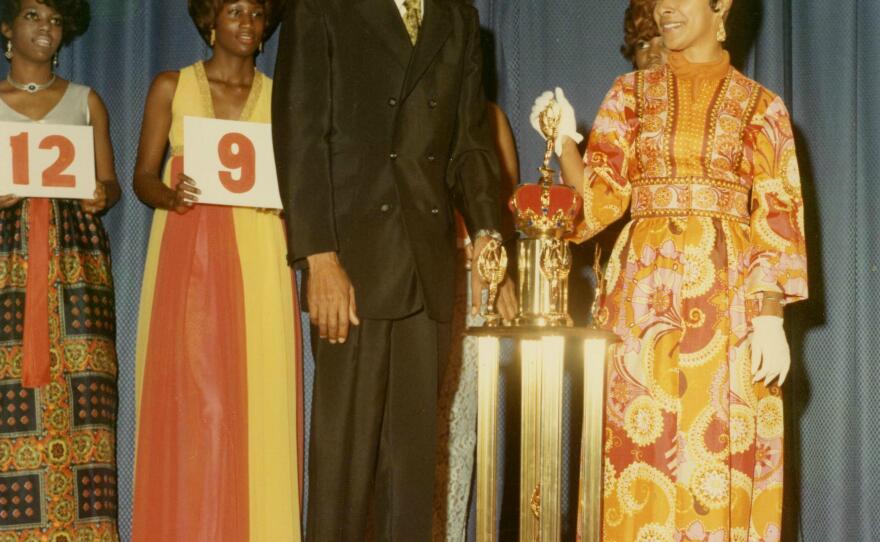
point(770, 354)
point(567, 121)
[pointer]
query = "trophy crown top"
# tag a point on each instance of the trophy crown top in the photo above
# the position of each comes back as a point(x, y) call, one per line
point(546, 210)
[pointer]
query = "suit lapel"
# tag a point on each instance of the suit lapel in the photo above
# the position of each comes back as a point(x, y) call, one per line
point(435, 30)
point(383, 21)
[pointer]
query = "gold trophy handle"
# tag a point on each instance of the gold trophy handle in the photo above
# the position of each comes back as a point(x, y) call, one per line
point(549, 122)
point(600, 284)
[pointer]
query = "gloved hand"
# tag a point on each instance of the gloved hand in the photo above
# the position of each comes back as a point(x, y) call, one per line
point(567, 121)
point(770, 354)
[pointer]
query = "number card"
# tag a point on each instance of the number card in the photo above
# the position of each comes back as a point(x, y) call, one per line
point(232, 162)
point(47, 161)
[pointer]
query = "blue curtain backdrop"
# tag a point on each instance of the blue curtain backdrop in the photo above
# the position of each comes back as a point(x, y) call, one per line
point(822, 57)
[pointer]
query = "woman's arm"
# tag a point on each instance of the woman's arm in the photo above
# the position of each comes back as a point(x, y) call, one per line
point(148, 183)
point(601, 176)
point(778, 256)
point(505, 147)
point(572, 164)
point(107, 191)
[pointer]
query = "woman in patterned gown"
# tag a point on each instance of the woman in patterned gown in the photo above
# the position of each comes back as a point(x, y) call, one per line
point(57, 340)
point(218, 361)
point(704, 158)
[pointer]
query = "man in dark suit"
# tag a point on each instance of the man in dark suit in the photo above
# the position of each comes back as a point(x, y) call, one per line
point(380, 129)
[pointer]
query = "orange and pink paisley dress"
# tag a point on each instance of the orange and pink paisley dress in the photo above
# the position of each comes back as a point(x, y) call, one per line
point(704, 158)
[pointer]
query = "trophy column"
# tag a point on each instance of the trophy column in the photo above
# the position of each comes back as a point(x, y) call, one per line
point(542, 354)
point(487, 443)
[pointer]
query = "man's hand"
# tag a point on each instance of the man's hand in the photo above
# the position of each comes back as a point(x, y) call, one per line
point(331, 297)
point(507, 305)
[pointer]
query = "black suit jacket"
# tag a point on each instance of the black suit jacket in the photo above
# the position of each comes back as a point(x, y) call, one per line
point(376, 141)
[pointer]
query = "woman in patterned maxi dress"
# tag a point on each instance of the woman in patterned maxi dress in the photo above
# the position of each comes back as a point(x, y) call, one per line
point(218, 363)
point(704, 158)
point(57, 317)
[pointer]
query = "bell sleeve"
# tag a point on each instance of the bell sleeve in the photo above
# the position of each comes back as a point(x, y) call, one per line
point(609, 149)
point(777, 258)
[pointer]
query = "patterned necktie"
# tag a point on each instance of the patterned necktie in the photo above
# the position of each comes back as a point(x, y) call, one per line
point(412, 18)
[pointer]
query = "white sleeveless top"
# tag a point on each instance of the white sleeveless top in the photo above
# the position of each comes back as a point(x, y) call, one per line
point(72, 108)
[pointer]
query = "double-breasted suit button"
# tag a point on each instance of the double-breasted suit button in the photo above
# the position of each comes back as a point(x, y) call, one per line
point(393, 156)
point(432, 103)
point(392, 102)
point(385, 207)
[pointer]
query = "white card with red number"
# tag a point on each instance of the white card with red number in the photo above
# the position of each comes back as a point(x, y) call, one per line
point(231, 162)
point(47, 160)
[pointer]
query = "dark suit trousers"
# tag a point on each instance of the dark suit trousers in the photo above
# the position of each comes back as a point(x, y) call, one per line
point(373, 436)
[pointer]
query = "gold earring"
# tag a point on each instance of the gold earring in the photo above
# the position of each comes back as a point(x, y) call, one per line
point(721, 34)
point(55, 60)
point(261, 47)
point(8, 53)
point(213, 37)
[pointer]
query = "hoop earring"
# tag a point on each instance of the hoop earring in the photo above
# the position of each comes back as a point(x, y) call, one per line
point(721, 34)
point(213, 37)
point(8, 54)
point(261, 47)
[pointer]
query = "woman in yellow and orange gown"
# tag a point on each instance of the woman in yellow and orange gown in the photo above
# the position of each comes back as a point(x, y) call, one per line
point(218, 362)
point(704, 158)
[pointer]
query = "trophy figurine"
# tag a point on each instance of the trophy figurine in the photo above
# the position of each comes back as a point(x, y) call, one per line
point(492, 266)
point(555, 266)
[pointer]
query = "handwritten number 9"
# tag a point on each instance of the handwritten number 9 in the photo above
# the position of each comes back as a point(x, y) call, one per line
point(237, 153)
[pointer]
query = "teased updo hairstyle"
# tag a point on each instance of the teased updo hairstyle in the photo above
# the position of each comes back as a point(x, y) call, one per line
point(638, 25)
point(75, 15)
point(204, 13)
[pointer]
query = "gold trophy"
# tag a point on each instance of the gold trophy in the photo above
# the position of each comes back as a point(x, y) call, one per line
point(546, 214)
point(492, 266)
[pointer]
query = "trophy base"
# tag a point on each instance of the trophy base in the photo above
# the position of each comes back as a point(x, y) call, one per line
point(493, 320)
point(543, 320)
